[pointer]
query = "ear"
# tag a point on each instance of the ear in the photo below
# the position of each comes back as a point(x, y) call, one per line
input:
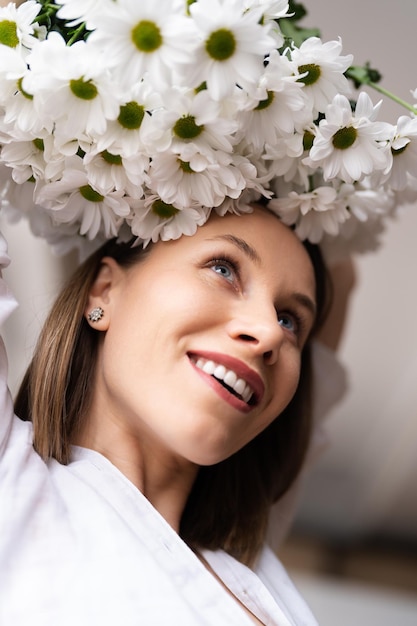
point(103, 294)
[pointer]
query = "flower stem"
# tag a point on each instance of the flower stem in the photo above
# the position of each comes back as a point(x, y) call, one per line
point(368, 76)
point(393, 97)
point(76, 34)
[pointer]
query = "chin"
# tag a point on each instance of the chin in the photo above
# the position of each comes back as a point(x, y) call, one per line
point(212, 457)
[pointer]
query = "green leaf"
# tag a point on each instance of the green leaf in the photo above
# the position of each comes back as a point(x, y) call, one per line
point(296, 34)
point(363, 75)
point(298, 9)
point(47, 17)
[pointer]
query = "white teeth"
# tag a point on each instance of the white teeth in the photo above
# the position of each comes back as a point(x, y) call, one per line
point(208, 367)
point(240, 386)
point(220, 372)
point(229, 377)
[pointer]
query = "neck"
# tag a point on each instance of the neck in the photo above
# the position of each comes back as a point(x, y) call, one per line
point(163, 479)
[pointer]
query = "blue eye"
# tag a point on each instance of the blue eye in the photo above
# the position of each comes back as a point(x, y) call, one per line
point(221, 268)
point(288, 322)
point(224, 268)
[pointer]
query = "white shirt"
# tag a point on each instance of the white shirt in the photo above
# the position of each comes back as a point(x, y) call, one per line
point(80, 545)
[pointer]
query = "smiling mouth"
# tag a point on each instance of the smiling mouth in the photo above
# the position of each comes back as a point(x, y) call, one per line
point(229, 379)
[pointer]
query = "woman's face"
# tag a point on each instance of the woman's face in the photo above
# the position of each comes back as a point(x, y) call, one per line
point(202, 339)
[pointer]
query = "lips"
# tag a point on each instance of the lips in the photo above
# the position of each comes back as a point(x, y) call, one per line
point(237, 379)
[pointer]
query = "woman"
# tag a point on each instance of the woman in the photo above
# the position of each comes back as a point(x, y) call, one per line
point(167, 406)
point(187, 353)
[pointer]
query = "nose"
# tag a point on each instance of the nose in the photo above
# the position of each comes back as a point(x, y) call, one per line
point(257, 326)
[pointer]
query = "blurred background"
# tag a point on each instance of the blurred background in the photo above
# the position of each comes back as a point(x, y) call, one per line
point(354, 546)
point(353, 550)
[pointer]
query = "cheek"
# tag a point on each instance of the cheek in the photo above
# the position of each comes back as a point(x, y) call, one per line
point(286, 382)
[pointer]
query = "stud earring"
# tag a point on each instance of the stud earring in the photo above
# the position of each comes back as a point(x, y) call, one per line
point(95, 314)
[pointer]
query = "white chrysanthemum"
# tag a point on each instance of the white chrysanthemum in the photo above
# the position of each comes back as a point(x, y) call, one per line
point(71, 86)
point(20, 116)
point(35, 158)
point(363, 202)
point(79, 11)
point(403, 153)
point(152, 219)
point(17, 199)
point(313, 213)
point(108, 171)
point(191, 178)
point(233, 47)
point(145, 37)
point(272, 10)
point(408, 195)
point(134, 126)
point(350, 145)
point(368, 213)
point(72, 200)
point(12, 68)
point(323, 68)
point(170, 109)
point(16, 24)
point(284, 159)
point(239, 206)
point(277, 108)
point(64, 238)
point(194, 118)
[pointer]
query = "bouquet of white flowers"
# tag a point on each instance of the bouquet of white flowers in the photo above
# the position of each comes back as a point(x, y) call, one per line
point(123, 118)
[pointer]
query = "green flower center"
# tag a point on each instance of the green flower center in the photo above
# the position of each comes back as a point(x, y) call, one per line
point(186, 127)
point(313, 73)
point(345, 138)
point(221, 44)
point(22, 91)
point(90, 194)
point(308, 139)
point(83, 89)
point(131, 115)
point(163, 210)
point(146, 36)
point(397, 151)
point(111, 159)
point(186, 167)
point(39, 144)
point(8, 33)
point(264, 104)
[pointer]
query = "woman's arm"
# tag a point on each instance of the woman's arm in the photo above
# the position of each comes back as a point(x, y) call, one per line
point(7, 305)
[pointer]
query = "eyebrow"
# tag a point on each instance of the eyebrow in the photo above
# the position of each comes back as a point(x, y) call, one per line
point(252, 254)
point(306, 302)
point(243, 245)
